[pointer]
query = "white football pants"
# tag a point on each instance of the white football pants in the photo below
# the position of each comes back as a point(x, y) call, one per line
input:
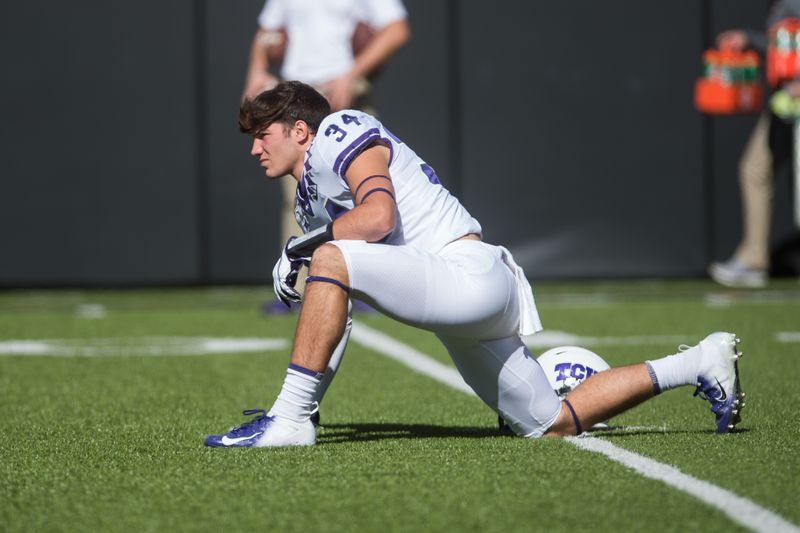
point(469, 297)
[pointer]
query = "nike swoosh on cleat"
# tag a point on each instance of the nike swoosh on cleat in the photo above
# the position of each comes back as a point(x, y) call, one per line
point(230, 442)
point(724, 395)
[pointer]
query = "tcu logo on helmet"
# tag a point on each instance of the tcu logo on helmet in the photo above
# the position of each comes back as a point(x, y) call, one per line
point(573, 370)
point(566, 367)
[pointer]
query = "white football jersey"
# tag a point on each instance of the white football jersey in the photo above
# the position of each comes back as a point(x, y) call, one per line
point(428, 216)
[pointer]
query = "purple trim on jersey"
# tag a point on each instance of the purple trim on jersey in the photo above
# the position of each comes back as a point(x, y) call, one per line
point(303, 195)
point(336, 282)
point(304, 370)
point(347, 155)
point(377, 189)
point(366, 180)
point(335, 210)
point(428, 170)
point(392, 135)
point(653, 378)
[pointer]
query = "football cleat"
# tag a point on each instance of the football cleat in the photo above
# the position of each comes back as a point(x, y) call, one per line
point(264, 431)
point(718, 379)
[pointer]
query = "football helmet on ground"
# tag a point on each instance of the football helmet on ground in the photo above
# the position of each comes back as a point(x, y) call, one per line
point(566, 367)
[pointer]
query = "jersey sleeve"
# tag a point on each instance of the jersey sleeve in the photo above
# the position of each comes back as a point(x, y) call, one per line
point(273, 15)
point(380, 13)
point(345, 134)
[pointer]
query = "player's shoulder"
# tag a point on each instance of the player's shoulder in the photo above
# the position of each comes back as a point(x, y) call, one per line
point(350, 119)
point(342, 135)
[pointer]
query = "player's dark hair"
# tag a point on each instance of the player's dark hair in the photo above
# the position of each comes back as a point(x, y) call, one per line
point(286, 103)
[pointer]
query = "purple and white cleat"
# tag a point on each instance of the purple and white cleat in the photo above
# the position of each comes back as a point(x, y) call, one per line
point(718, 379)
point(265, 431)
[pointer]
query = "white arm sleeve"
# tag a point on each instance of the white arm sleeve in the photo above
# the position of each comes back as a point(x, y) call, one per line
point(380, 13)
point(273, 15)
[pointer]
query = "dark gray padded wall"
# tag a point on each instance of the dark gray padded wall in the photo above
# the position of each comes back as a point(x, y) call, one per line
point(582, 151)
point(96, 143)
point(243, 204)
point(568, 130)
point(414, 93)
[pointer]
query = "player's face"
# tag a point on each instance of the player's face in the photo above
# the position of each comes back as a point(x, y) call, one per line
point(276, 150)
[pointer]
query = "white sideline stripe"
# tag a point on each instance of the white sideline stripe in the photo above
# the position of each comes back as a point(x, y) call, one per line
point(151, 346)
point(788, 336)
point(551, 338)
point(727, 299)
point(91, 311)
point(738, 509)
point(408, 356)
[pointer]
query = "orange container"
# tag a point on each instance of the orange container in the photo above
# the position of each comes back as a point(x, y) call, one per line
point(730, 83)
point(783, 60)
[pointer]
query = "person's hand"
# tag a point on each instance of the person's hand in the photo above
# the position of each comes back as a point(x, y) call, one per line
point(339, 92)
point(258, 83)
point(735, 40)
point(284, 276)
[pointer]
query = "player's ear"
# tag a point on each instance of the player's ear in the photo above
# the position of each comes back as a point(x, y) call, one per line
point(300, 130)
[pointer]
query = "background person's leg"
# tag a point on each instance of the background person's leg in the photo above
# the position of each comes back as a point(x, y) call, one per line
point(756, 181)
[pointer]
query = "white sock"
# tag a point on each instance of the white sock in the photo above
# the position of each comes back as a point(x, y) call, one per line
point(675, 370)
point(296, 399)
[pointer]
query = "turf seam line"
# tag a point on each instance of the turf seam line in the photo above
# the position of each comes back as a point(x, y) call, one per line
point(740, 510)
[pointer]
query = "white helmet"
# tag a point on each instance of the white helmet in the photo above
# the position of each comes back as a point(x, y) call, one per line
point(567, 366)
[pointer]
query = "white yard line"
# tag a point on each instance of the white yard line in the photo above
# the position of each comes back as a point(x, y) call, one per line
point(406, 355)
point(729, 298)
point(149, 346)
point(788, 336)
point(91, 311)
point(740, 510)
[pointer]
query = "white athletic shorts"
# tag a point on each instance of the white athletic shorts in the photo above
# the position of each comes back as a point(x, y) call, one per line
point(469, 294)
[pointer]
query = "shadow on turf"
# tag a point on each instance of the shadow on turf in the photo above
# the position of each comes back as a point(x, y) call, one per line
point(363, 432)
point(628, 431)
point(359, 432)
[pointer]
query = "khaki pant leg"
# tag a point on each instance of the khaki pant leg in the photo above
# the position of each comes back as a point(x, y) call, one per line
point(289, 227)
point(756, 182)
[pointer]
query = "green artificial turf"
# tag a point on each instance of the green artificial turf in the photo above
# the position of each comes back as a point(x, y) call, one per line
point(113, 442)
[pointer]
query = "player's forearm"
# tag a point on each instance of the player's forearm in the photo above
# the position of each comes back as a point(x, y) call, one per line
point(381, 47)
point(371, 221)
point(365, 222)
